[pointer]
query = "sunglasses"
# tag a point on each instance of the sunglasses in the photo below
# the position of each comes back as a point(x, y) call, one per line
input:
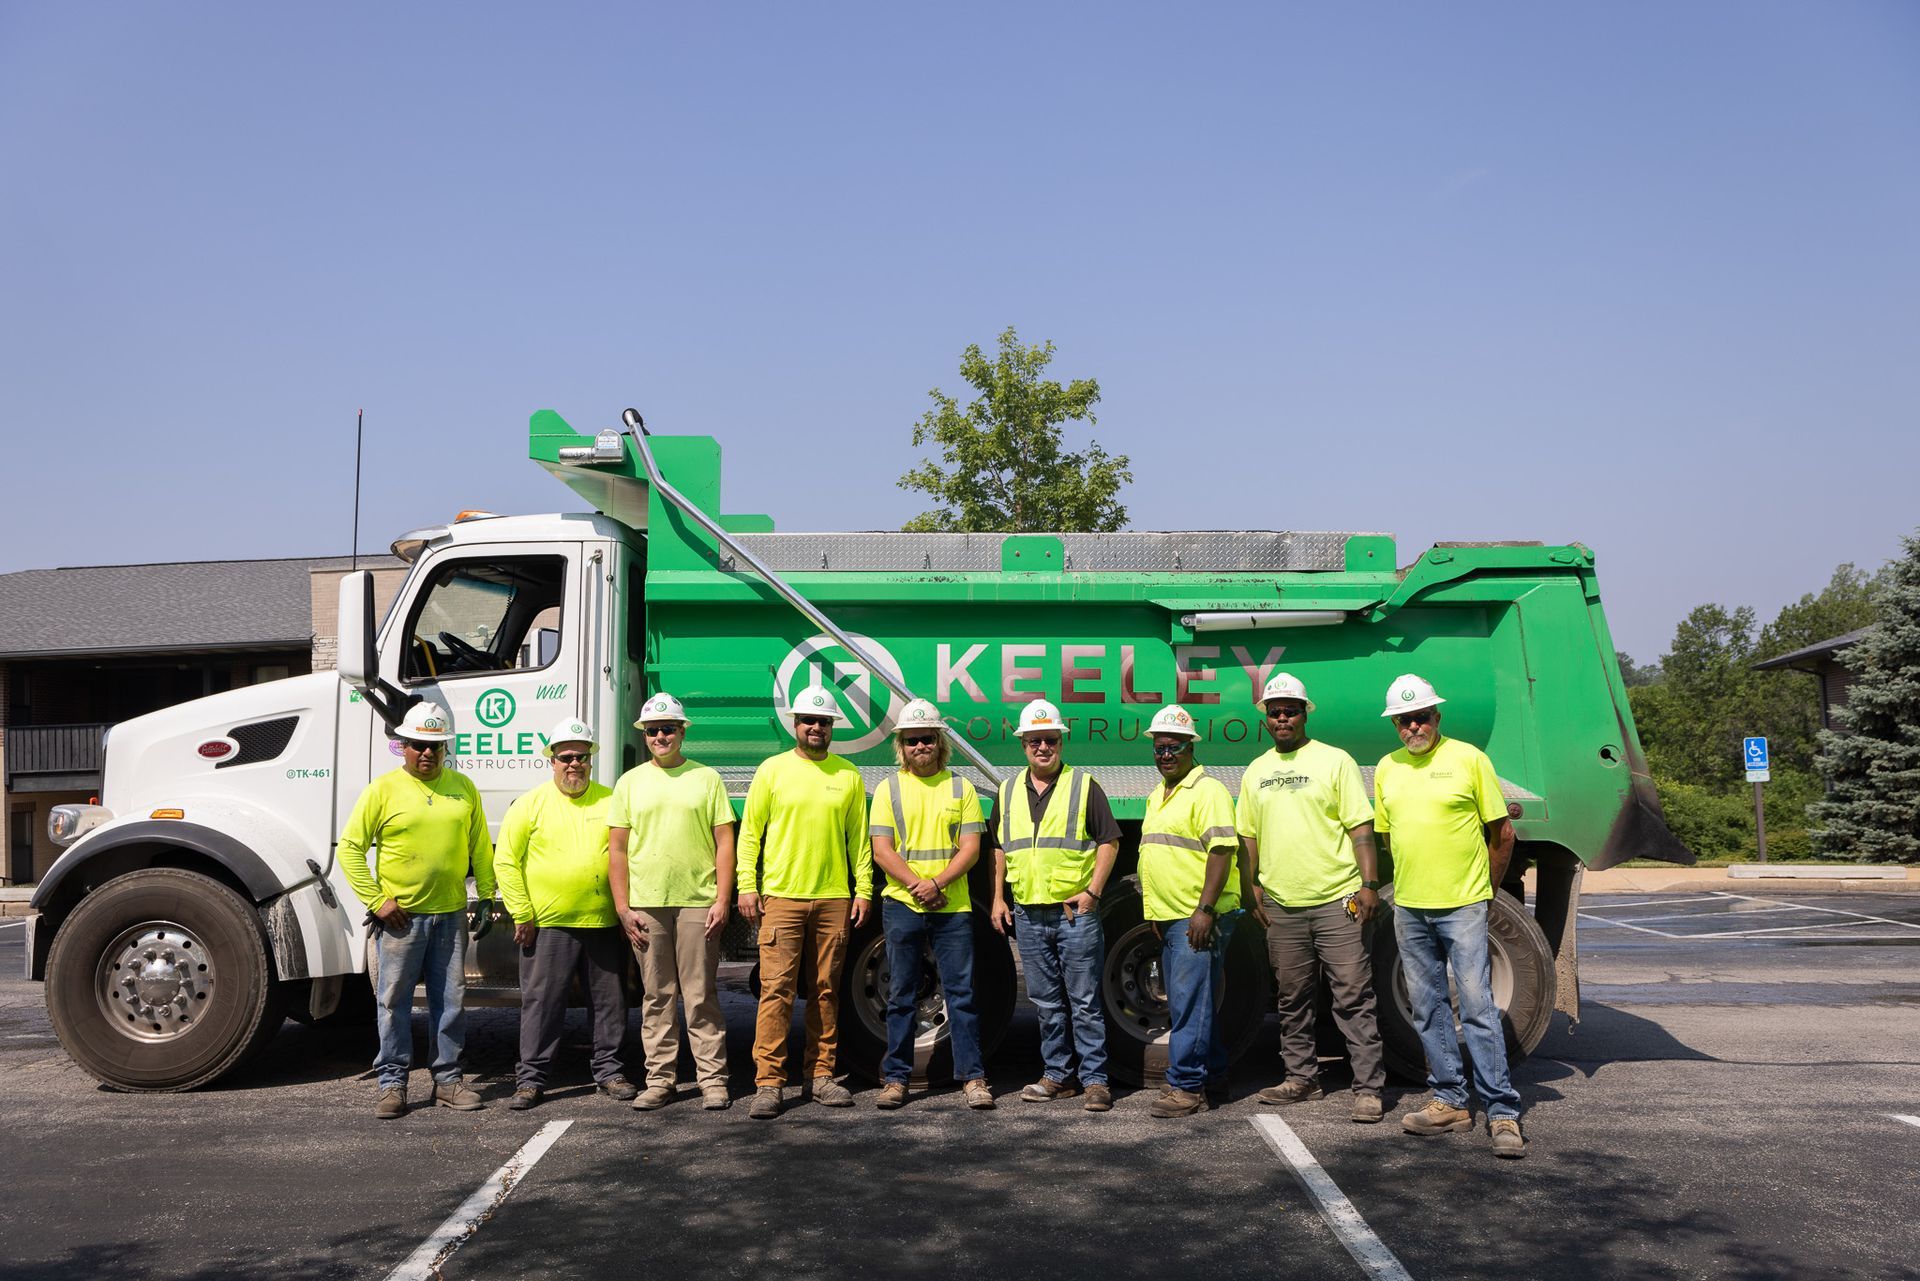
point(813, 720)
point(919, 740)
point(572, 758)
point(1413, 718)
point(663, 731)
point(425, 749)
point(1043, 740)
point(1171, 749)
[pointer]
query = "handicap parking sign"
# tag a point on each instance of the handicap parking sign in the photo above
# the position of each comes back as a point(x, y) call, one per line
point(1755, 751)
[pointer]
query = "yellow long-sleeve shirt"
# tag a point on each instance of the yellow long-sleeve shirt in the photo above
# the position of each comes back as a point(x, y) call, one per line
point(804, 831)
point(552, 859)
point(427, 835)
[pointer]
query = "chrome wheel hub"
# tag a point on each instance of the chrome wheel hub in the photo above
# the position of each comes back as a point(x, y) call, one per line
point(156, 980)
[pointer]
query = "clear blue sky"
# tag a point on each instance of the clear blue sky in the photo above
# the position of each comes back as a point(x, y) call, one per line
point(1641, 275)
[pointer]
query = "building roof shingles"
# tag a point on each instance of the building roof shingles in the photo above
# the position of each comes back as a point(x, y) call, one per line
point(193, 605)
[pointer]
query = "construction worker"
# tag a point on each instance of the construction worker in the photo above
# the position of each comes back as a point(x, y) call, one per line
point(1306, 830)
point(552, 868)
point(805, 877)
point(1190, 882)
point(925, 827)
point(1442, 820)
point(1050, 868)
point(428, 830)
point(671, 868)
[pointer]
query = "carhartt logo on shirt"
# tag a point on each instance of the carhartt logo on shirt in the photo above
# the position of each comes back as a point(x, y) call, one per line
point(1292, 782)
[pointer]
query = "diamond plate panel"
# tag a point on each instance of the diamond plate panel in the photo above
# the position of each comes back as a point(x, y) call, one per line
point(1198, 551)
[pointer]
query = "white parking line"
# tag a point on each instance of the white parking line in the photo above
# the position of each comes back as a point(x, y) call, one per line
point(1902, 1116)
point(1695, 916)
point(10, 924)
point(425, 1262)
point(1831, 911)
point(1652, 902)
point(1368, 1250)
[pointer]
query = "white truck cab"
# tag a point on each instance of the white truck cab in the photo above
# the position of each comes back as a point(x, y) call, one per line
point(200, 900)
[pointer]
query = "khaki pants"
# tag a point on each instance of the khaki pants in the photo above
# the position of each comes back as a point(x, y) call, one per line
point(793, 929)
point(681, 963)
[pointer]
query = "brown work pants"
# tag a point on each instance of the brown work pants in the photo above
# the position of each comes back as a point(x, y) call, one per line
point(1302, 944)
point(793, 930)
point(681, 964)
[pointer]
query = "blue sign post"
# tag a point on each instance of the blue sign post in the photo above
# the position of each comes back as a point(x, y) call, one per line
point(1754, 752)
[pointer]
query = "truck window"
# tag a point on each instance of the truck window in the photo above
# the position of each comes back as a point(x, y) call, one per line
point(478, 616)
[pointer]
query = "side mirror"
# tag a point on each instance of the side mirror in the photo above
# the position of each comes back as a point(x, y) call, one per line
point(358, 661)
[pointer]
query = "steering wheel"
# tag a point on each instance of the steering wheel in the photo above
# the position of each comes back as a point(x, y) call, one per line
point(465, 655)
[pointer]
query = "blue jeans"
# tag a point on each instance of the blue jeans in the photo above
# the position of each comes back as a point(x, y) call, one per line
point(1429, 939)
point(1194, 982)
point(1062, 960)
point(432, 950)
point(950, 935)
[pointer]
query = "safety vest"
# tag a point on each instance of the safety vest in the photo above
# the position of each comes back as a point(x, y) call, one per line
point(927, 862)
point(1055, 862)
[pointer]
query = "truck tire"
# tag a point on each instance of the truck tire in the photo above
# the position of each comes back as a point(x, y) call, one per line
point(1525, 985)
point(863, 1002)
point(162, 980)
point(1134, 999)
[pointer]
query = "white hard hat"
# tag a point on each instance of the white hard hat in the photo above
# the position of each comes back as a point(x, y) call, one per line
point(1409, 694)
point(1040, 717)
point(425, 723)
point(1285, 685)
point(818, 700)
point(570, 730)
point(662, 707)
point(1173, 719)
point(920, 714)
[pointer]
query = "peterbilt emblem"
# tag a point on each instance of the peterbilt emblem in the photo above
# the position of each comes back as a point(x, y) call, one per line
point(215, 748)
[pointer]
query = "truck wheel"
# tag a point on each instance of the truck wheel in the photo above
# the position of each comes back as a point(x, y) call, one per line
point(1134, 996)
point(863, 1003)
point(161, 980)
point(1524, 985)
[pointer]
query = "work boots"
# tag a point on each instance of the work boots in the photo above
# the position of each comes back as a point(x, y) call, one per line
point(1046, 1089)
point(979, 1096)
point(1367, 1108)
point(1291, 1090)
point(1438, 1117)
point(457, 1095)
point(830, 1093)
point(1099, 1099)
point(1178, 1103)
point(653, 1098)
point(892, 1095)
point(766, 1103)
point(393, 1103)
point(1508, 1142)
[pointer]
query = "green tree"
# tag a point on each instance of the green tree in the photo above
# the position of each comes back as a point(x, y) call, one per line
point(1003, 466)
point(1873, 764)
point(1632, 674)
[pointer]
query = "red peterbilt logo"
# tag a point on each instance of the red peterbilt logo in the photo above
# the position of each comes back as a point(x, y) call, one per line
point(215, 748)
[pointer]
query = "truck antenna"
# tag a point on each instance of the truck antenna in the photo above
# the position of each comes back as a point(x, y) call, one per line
point(359, 423)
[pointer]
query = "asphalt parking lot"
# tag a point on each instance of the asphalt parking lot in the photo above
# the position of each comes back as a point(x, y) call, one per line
point(1730, 1105)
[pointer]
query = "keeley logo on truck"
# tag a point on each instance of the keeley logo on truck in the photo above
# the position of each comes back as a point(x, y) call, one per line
point(494, 708)
point(822, 660)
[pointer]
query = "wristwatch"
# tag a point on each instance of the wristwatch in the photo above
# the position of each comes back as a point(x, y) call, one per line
point(1372, 885)
point(1209, 909)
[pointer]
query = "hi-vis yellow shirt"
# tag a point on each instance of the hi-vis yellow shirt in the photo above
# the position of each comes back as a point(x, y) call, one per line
point(1300, 806)
point(1436, 808)
point(552, 858)
point(427, 835)
point(804, 831)
point(1180, 829)
point(925, 819)
point(1052, 861)
point(671, 814)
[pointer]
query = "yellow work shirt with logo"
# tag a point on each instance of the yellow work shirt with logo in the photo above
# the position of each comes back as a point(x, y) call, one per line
point(425, 836)
point(670, 815)
point(925, 819)
point(1052, 861)
point(1300, 806)
point(804, 831)
point(1180, 828)
point(1435, 808)
point(551, 861)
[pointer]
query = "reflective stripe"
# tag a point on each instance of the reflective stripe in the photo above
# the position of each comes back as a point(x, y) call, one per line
point(877, 830)
point(922, 856)
point(893, 794)
point(1006, 809)
point(1075, 794)
point(1222, 834)
point(1178, 842)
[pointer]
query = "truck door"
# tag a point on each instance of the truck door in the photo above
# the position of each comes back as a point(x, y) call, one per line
point(492, 634)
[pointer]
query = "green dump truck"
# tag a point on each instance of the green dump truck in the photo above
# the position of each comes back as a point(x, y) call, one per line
point(514, 621)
